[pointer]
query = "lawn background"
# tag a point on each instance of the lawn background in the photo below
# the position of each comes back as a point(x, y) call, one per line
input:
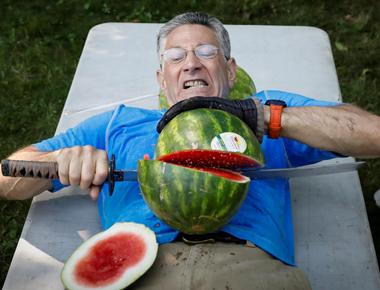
point(41, 42)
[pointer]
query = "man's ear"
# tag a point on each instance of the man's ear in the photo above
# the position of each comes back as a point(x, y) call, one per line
point(161, 80)
point(231, 71)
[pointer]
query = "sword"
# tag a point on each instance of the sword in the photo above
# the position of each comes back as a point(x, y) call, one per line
point(49, 170)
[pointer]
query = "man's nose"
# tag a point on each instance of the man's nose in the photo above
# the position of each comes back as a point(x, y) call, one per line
point(191, 62)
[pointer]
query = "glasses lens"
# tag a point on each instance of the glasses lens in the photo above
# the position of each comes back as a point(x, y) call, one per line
point(206, 51)
point(174, 54)
point(178, 54)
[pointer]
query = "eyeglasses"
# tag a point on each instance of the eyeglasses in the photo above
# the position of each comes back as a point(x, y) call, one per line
point(178, 54)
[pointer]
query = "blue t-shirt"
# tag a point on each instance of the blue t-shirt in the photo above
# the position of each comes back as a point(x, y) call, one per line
point(265, 217)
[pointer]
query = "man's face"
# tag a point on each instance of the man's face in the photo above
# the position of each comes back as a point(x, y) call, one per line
point(195, 76)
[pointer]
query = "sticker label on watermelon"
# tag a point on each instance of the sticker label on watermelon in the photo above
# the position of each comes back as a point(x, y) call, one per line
point(229, 141)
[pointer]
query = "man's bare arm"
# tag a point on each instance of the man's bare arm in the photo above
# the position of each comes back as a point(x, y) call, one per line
point(24, 188)
point(345, 129)
point(85, 166)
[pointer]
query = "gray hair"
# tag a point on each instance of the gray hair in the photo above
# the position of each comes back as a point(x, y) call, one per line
point(195, 18)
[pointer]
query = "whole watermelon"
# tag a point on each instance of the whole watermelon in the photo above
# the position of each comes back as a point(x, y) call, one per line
point(190, 185)
point(243, 87)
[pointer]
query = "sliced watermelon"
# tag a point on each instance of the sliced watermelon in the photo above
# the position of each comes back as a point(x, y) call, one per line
point(112, 259)
point(188, 185)
point(191, 200)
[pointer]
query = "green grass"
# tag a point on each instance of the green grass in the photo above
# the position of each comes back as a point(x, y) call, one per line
point(41, 41)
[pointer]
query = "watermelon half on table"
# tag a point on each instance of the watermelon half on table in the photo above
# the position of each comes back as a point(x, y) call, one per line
point(194, 184)
point(112, 259)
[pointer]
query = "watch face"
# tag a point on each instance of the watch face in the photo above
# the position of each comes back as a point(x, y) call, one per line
point(275, 102)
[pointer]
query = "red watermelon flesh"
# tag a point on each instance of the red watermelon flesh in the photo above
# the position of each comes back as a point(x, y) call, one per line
point(107, 260)
point(203, 158)
point(232, 175)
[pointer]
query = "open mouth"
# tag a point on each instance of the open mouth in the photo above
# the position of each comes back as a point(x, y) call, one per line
point(195, 84)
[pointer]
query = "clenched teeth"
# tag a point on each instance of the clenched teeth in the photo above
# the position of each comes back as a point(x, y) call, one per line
point(195, 84)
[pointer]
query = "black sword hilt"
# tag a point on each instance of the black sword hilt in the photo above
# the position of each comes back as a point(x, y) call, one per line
point(35, 169)
point(46, 170)
point(111, 176)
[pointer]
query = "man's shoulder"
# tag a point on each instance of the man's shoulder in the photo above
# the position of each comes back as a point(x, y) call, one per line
point(125, 111)
point(124, 115)
point(119, 115)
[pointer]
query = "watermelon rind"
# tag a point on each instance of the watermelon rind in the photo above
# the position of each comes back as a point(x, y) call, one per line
point(190, 200)
point(196, 129)
point(243, 87)
point(132, 273)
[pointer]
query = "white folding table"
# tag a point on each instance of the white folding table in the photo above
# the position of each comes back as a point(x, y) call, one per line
point(333, 241)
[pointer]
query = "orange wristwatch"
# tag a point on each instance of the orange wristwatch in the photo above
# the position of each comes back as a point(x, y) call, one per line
point(276, 107)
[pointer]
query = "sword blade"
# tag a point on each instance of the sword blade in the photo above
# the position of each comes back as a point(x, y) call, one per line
point(125, 175)
point(302, 171)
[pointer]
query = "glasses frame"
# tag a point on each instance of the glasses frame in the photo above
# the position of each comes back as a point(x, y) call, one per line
point(186, 51)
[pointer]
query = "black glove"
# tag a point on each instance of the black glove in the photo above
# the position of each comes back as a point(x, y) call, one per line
point(249, 110)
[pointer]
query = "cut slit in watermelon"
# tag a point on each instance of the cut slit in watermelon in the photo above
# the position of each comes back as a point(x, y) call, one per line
point(229, 174)
point(215, 162)
point(202, 158)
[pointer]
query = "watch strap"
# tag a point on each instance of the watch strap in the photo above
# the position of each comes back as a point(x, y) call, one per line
point(275, 107)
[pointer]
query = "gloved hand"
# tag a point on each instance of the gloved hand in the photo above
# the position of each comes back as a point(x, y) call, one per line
point(249, 110)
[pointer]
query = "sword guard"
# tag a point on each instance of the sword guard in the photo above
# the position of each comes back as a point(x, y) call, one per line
point(111, 176)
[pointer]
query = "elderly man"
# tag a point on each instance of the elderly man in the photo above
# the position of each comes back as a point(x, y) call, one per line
point(194, 50)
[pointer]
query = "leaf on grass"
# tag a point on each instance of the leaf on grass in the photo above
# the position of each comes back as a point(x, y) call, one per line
point(340, 46)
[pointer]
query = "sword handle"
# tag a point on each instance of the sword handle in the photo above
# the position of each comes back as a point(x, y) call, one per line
point(46, 170)
point(36, 169)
